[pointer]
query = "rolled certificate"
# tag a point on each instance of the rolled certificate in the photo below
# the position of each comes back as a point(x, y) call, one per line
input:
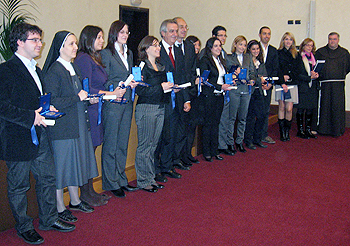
point(185, 85)
point(109, 97)
point(281, 89)
point(128, 80)
point(49, 122)
point(198, 71)
point(142, 64)
point(270, 78)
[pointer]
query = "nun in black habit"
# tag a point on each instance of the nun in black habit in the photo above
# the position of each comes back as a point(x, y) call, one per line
point(71, 140)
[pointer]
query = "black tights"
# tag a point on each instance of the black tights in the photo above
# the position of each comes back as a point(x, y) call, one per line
point(302, 110)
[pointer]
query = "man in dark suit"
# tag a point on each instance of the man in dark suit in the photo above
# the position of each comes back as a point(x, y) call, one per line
point(173, 60)
point(190, 76)
point(24, 143)
point(271, 63)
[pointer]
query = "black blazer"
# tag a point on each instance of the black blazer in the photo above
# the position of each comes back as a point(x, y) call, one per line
point(288, 66)
point(19, 98)
point(58, 81)
point(304, 78)
point(190, 67)
point(207, 63)
point(153, 94)
point(271, 63)
point(178, 73)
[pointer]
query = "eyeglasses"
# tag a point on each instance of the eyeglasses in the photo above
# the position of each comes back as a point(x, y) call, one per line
point(35, 40)
point(123, 32)
point(184, 27)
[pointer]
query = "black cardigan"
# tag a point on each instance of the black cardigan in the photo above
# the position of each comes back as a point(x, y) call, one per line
point(58, 81)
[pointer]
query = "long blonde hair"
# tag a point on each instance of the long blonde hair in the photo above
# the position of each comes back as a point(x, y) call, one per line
point(293, 50)
point(238, 39)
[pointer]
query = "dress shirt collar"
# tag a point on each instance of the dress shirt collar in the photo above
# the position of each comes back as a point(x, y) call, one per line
point(166, 47)
point(117, 48)
point(28, 63)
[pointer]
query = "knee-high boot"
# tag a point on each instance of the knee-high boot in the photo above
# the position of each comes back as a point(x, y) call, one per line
point(308, 123)
point(287, 126)
point(300, 123)
point(282, 132)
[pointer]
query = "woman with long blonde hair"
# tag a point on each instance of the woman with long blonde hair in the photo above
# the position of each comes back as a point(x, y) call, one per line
point(287, 85)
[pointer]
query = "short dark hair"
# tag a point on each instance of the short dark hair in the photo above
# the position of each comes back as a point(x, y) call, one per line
point(334, 33)
point(87, 42)
point(216, 29)
point(193, 39)
point(145, 43)
point(263, 27)
point(21, 32)
point(113, 33)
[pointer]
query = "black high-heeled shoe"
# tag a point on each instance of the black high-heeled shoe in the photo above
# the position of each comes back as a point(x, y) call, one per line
point(219, 157)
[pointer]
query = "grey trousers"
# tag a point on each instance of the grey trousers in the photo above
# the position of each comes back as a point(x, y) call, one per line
point(116, 124)
point(149, 120)
point(236, 109)
point(43, 169)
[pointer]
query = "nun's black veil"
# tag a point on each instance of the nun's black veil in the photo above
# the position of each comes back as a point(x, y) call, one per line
point(54, 51)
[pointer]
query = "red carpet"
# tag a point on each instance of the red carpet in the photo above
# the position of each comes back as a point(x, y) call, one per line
point(293, 193)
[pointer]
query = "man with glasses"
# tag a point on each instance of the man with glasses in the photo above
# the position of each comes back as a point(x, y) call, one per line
point(24, 143)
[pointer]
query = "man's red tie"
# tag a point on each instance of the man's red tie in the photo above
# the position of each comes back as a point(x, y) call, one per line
point(171, 56)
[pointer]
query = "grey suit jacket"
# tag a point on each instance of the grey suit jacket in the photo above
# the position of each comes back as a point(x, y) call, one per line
point(116, 69)
point(247, 63)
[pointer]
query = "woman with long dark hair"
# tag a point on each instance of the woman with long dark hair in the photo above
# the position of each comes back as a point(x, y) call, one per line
point(213, 98)
point(90, 63)
point(117, 60)
point(255, 117)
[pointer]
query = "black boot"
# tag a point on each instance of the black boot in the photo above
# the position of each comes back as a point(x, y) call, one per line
point(88, 195)
point(287, 126)
point(308, 123)
point(300, 123)
point(282, 134)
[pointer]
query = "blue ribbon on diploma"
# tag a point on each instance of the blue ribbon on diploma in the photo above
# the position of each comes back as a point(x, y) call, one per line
point(132, 94)
point(111, 89)
point(34, 136)
point(173, 98)
point(99, 120)
point(199, 85)
point(227, 96)
point(122, 101)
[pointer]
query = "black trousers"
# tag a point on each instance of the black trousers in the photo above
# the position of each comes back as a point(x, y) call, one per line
point(214, 105)
point(43, 169)
point(255, 119)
